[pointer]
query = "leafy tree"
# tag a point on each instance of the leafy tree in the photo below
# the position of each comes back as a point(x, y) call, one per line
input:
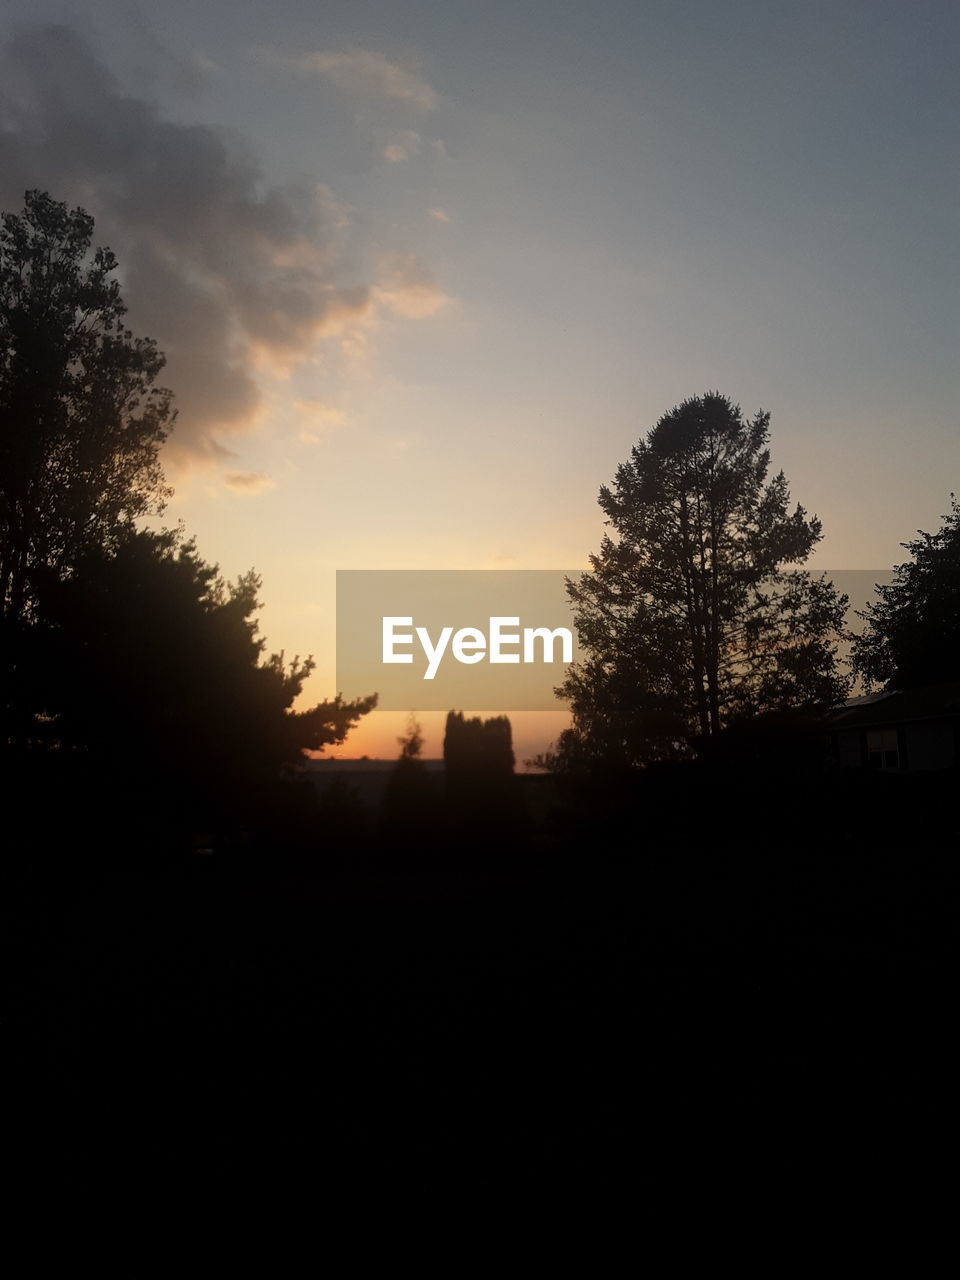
point(912, 635)
point(147, 660)
point(690, 617)
point(120, 650)
point(408, 801)
point(81, 422)
point(411, 742)
point(481, 788)
point(569, 754)
point(477, 748)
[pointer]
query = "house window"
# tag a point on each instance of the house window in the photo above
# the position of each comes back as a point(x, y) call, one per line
point(883, 749)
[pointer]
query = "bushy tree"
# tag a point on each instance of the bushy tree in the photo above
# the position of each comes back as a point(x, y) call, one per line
point(478, 765)
point(692, 614)
point(81, 422)
point(147, 659)
point(474, 748)
point(127, 665)
point(912, 634)
point(407, 809)
point(411, 742)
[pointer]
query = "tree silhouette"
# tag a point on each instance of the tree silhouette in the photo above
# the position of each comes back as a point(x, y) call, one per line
point(688, 618)
point(117, 645)
point(407, 811)
point(477, 748)
point(912, 635)
point(147, 659)
point(481, 788)
point(81, 422)
point(411, 742)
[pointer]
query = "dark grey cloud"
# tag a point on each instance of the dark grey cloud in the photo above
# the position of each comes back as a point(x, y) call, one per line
point(227, 273)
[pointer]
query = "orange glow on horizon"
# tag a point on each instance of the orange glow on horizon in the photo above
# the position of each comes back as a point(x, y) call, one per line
point(375, 737)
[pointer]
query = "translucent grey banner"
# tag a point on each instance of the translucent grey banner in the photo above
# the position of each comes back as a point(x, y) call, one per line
point(476, 639)
point(473, 639)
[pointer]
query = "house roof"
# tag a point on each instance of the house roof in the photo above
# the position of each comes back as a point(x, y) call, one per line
point(897, 706)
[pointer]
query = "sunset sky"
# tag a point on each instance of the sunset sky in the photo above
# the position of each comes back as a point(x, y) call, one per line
point(424, 272)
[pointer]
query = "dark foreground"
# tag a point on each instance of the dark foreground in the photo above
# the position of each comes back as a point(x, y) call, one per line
point(562, 1027)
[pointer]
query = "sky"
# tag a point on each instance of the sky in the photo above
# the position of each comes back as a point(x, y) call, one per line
point(424, 273)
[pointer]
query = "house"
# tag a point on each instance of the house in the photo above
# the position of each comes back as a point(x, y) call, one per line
point(910, 730)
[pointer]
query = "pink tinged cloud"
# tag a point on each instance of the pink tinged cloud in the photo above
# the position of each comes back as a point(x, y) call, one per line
point(408, 289)
point(371, 74)
point(317, 418)
point(404, 148)
point(247, 483)
point(233, 279)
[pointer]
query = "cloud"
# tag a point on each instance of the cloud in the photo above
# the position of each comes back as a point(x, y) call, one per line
point(317, 417)
point(235, 279)
point(153, 60)
point(321, 412)
point(407, 145)
point(408, 289)
point(247, 483)
point(441, 215)
point(370, 74)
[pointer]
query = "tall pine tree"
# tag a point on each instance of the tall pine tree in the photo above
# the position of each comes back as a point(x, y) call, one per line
point(694, 613)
